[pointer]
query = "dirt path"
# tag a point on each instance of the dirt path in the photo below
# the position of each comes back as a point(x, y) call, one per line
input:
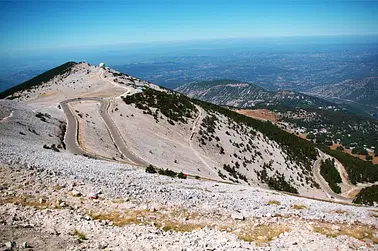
point(190, 140)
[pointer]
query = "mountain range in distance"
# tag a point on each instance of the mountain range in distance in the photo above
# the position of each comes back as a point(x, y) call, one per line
point(359, 93)
point(234, 93)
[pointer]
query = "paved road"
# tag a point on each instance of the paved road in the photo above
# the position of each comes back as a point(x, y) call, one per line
point(324, 185)
point(117, 136)
point(71, 137)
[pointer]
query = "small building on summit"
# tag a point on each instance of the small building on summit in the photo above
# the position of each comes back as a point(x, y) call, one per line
point(102, 65)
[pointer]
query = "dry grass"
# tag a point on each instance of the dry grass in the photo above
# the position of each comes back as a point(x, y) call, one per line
point(339, 211)
point(24, 200)
point(119, 219)
point(298, 207)
point(118, 201)
point(166, 222)
point(274, 202)
point(179, 226)
point(57, 187)
point(359, 232)
point(374, 215)
point(262, 233)
point(79, 235)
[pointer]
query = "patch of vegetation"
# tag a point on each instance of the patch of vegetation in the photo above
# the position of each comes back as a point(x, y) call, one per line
point(357, 231)
point(42, 78)
point(232, 171)
point(176, 107)
point(276, 182)
point(359, 171)
point(43, 116)
point(150, 169)
point(339, 211)
point(63, 129)
point(367, 196)
point(262, 233)
point(79, 235)
point(298, 207)
point(53, 147)
point(24, 200)
point(209, 123)
point(171, 222)
point(181, 175)
point(167, 172)
point(274, 202)
point(340, 148)
point(220, 174)
point(360, 150)
point(330, 174)
point(350, 130)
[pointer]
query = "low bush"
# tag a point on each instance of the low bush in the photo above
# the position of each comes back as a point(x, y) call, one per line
point(150, 169)
point(168, 172)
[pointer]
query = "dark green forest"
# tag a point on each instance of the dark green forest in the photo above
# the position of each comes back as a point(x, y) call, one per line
point(358, 170)
point(350, 129)
point(367, 196)
point(176, 107)
point(330, 174)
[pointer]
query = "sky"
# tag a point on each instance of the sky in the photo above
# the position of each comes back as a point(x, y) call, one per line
point(41, 25)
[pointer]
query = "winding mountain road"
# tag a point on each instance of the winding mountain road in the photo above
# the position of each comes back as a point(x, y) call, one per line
point(324, 185)
point(72, 133)
point(71, 137)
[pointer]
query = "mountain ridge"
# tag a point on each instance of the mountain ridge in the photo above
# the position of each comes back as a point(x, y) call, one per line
point(363, 91)
point(244, 94)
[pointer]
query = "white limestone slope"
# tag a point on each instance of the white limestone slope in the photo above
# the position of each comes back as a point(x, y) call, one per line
point(32, 172)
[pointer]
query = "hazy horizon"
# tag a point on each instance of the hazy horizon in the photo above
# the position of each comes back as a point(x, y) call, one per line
point(145, 60)
point(37, 25)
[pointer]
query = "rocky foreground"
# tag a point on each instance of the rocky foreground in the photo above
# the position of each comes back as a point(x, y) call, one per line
point(128, 209)
point(53, 200)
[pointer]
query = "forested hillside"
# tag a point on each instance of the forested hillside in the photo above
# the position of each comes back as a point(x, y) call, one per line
point(42, 78)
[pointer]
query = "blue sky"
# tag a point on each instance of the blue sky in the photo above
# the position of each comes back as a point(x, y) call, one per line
point(33, 26)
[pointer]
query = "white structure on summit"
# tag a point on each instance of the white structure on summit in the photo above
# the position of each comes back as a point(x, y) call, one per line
point(102, 65)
